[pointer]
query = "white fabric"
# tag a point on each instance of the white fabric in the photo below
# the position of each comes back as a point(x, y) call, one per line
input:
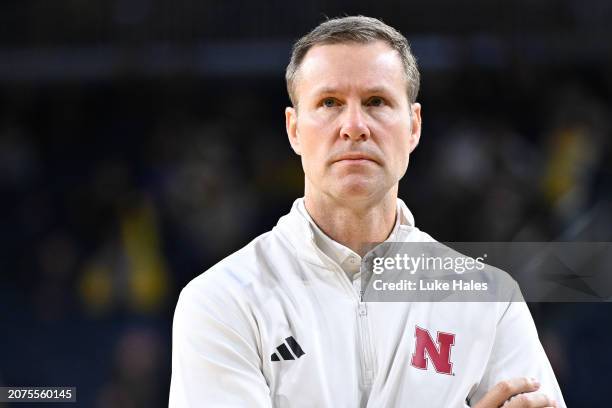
point(231, 319)
point(346, 258)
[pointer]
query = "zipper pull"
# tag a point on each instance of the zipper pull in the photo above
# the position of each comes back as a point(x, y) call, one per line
point(363, 310)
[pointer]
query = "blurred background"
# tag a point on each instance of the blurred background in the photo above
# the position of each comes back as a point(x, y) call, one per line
point(142, 141)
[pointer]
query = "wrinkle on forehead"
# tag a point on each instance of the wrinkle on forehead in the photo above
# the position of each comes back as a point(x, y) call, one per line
point(351, 67)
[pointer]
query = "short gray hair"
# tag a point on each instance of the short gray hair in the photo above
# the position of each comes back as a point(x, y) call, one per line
point(357, 29)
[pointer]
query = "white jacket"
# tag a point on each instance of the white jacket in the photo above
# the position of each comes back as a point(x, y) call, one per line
point(278, 323)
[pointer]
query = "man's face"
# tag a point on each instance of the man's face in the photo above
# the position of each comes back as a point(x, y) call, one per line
point(353, 125)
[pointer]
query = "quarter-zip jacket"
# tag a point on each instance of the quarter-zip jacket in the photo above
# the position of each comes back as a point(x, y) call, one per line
point(279, 324)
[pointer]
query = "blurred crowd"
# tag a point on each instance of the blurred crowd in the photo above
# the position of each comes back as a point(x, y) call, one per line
point(117, 193)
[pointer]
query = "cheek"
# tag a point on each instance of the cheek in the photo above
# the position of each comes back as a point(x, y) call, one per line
point(313, 154)
point(318, 123)
point(315, 140)
point(396, 140)
point(397, 153)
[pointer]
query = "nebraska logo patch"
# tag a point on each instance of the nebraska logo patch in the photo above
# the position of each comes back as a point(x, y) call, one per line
point(438, 352)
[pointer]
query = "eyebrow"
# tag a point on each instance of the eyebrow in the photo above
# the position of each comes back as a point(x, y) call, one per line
point(332, 90)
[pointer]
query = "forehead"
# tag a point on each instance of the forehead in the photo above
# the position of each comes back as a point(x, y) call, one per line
point(351, 66)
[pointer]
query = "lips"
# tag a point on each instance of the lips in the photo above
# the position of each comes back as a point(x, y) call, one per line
point(355, 157)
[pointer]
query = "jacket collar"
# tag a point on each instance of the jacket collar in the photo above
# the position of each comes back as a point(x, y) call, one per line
point(297, 231)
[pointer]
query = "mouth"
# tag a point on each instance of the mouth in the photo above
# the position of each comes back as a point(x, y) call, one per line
point(355, 158)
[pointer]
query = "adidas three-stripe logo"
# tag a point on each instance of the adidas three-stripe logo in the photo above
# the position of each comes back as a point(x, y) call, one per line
point(284, 352)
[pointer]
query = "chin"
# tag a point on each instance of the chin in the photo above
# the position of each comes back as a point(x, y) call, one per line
point(357, 190)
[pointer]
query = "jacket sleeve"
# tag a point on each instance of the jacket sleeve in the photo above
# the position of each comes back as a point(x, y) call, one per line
point(215, 361)
point(517, 352)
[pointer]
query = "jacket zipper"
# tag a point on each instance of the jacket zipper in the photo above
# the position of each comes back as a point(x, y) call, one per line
point(366, 342)
point(367, 372)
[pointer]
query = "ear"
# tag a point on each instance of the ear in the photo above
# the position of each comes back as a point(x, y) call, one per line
point(291, 125)
point(415, 125)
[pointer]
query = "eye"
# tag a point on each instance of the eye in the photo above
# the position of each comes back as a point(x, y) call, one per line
point(376, 101)
point(329, 102)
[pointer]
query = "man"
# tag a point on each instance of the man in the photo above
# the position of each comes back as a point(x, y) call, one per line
point(281, 322)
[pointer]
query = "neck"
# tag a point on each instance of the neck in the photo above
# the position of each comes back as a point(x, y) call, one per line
point(354, 226)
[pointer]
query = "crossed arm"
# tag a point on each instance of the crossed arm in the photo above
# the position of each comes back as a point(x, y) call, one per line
point(215, 363)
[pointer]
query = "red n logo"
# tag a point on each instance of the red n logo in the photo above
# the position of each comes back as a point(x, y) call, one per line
point(438, 353)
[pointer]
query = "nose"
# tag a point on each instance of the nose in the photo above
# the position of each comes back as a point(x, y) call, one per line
point(354, 126)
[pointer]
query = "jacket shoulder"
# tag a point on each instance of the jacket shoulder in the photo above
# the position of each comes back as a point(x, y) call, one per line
point(243, 268)
point(409, 233)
